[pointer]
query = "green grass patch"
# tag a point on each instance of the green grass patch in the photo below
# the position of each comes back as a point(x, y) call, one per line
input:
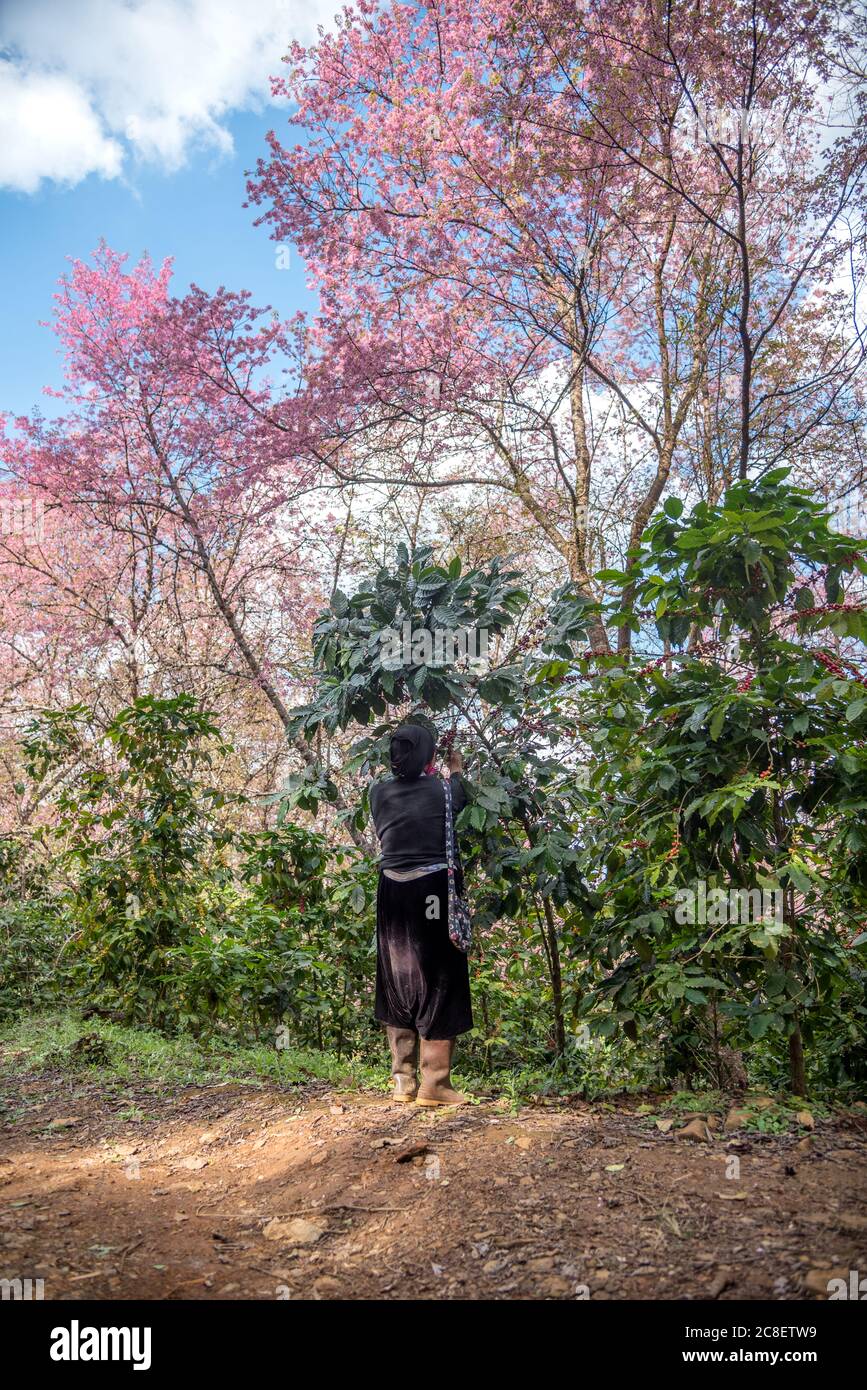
point(116, 1054)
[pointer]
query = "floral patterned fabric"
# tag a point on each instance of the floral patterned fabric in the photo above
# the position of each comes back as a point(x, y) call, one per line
point(460, 918)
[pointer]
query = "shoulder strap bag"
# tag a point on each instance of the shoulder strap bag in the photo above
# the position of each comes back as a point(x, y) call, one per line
point(460, 918)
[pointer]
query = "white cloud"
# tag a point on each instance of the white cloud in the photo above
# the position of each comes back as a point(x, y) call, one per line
point(85, 84)
point(48, 130)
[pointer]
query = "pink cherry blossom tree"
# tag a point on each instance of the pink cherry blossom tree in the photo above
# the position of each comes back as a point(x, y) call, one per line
point(180, 548)
point(524, 220)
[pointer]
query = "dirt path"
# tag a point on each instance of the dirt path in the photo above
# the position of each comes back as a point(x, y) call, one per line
point(238, 1192)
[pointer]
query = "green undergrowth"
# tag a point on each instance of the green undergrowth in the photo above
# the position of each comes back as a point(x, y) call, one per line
point(64, 1041)
point(117, 1057)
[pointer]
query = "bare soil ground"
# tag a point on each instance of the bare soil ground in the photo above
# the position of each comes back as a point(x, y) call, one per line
point(240, 1192)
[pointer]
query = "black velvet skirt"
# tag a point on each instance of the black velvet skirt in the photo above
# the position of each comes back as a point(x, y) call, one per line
point(422, 980)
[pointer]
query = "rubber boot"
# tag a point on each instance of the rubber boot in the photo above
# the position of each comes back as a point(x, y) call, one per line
point(436, 1064)
point(403, 1043)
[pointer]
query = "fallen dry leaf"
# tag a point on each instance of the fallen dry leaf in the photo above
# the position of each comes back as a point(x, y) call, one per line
point(327, 1287)
point(817, 1280)
point(853, 1222)
point(414, 1151)
point(294, 1231)
point(697, 1131)
point(737, 1117)
point(724, 1277)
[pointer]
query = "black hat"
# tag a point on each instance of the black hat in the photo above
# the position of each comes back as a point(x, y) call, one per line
point(412, 748)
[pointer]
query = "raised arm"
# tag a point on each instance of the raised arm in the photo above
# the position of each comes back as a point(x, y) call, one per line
point(459, 792)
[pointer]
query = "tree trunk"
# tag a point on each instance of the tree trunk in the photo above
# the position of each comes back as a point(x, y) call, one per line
point(556, 977)
point(797, 1070)
point(224, 607)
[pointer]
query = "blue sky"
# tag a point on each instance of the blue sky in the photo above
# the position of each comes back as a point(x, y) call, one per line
point(134, 121)
point(194, 215)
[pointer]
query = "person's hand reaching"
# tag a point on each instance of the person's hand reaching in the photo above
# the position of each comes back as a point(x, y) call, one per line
point(455, 761)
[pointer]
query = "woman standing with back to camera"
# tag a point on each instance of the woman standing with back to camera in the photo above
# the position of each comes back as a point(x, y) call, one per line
point(422, 979)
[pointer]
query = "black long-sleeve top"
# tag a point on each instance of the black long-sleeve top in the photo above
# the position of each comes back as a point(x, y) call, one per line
point(410, 819)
